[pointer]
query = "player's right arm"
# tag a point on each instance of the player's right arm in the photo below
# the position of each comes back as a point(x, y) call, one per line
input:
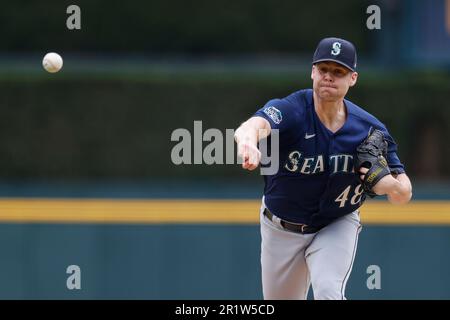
point(247, 136)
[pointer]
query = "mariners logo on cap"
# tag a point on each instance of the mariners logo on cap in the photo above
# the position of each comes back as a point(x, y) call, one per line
point(336, 48)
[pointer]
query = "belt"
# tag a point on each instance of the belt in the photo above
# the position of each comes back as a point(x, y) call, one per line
point(294, 227)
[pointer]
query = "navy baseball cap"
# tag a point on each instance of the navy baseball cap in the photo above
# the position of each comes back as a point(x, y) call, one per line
point(338, 50)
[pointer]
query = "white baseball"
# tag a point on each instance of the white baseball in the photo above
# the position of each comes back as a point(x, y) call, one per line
point(52, 62)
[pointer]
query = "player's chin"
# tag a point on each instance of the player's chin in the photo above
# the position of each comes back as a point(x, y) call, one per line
point(328, 93)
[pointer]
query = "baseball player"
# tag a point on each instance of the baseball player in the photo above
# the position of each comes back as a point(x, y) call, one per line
point(332, 154)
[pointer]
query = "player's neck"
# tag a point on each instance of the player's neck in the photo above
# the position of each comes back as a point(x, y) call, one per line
point(332, 114)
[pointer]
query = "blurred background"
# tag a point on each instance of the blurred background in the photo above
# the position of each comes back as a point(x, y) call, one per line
point(86, 176)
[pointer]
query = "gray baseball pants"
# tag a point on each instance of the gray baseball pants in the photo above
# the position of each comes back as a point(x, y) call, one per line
point(291, 261)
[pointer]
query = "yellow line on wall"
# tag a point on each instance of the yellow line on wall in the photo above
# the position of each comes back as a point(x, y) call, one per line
point(195, 211)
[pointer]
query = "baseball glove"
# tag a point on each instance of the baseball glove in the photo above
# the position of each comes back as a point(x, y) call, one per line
point(371, 154)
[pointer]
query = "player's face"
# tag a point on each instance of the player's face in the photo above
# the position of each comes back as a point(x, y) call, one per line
point(331, 80)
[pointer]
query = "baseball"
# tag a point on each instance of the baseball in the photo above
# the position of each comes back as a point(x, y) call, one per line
point(52, 62)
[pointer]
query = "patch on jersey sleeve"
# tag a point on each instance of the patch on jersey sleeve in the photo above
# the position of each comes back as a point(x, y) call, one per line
point(274, 114)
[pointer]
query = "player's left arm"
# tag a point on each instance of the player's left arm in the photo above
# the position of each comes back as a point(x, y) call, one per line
point(398, 188)
point(397, 185)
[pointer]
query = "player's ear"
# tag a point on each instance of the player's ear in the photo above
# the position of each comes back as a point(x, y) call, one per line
point(353, 79)
point(312, 72)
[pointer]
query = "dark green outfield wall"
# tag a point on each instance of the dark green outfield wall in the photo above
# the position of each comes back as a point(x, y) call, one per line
point(200, 262)
point(177, 26)
point(88, 126)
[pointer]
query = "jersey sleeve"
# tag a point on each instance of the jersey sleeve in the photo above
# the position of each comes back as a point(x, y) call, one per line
point(392, 158)
point(281, 114)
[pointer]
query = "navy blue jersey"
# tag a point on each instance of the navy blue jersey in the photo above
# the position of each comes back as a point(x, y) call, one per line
point(316, 182)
